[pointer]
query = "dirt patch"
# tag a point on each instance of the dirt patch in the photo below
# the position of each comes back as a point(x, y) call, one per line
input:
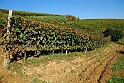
point(108, 73)
point(7, 76)
point(81, 69)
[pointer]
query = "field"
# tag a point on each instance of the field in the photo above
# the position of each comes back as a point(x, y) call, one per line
point(48, 48)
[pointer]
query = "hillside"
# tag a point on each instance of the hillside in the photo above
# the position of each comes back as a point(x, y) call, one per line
point(44, 48)
point(67, 29)
point(87, 26)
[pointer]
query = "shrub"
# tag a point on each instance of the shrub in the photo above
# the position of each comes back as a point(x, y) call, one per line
point(115, 34)
point(71, 18)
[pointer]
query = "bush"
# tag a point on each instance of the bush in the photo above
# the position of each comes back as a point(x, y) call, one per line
point(71, 18)
point(115, 34)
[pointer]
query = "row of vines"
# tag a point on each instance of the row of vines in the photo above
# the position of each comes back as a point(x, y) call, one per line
point(28, 34)
point(99, 23)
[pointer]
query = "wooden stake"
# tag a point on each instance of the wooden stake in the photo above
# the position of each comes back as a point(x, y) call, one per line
point(24, 55)
point(6, 55)
point(5, 64)
point(66, 51)
point(85, 50)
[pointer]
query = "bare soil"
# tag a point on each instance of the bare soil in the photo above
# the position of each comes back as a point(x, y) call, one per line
point(7, 76)
point(82, 69)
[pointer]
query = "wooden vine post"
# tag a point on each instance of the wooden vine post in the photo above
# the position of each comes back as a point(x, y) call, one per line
point(6, 54)
point(24, 52)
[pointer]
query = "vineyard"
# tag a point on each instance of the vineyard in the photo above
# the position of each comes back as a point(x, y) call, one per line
point(46, 34)
point(42, 36)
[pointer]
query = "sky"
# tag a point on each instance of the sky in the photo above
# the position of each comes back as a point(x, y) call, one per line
point(84, 9)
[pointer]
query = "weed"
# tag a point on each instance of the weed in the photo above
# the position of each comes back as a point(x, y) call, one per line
point(73, 71)
point(119, 64)
point(97, 58)
point(116, 79)
point(39, 81)
point(16, 67)
point(64, 71)
point(33, 61)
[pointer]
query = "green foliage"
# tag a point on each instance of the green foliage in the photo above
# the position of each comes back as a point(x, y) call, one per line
point(115, 34)
point(3, 23)
point(98, 23)
point(38, 81)
point(97, 26)
point(49, 19)
point(119, 64)
point(73, 71)
point(46, 36)
point(116, 79)
point(26, 33)
point(14, 66)
point(33, 61)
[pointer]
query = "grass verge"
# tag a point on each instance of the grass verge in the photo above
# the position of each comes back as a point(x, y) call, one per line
point(45, 59)
point(118, 65)
point(116, 79)
point(121, 41)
